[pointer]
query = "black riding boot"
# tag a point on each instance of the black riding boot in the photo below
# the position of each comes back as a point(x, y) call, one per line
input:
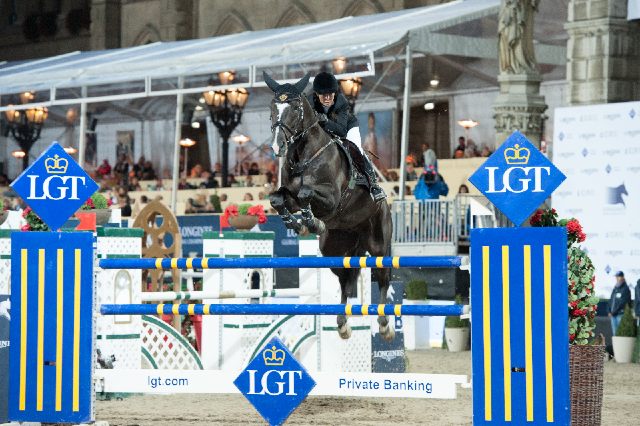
point(376, 192)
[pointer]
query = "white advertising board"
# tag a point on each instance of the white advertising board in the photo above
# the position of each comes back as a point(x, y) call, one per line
point(598, 148)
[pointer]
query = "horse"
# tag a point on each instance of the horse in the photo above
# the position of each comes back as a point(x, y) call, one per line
point(317, 181)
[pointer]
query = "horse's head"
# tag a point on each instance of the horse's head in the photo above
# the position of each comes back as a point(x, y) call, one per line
point(287, 113)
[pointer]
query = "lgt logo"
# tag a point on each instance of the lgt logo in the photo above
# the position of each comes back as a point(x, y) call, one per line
point(274, 382)
point(54, 186)
point(517, 178)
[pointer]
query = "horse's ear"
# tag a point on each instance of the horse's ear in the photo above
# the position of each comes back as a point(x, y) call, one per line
point(302, 84)
point(273, 85)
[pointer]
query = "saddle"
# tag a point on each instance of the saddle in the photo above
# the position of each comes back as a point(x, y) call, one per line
point(355, 159)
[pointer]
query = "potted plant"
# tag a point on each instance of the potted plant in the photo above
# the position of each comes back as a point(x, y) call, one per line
point(34, 223)
point(456, 331)
point(625, 338)
point(243, 216)
point(98, 204)
point(415, 328)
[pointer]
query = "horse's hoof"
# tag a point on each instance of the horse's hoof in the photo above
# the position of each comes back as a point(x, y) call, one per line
point(345, 332)
point(387, 332)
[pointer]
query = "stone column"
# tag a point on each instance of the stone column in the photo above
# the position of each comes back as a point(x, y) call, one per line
point(603, 51)
point(519, 106)
point(177, 22)
point(105, 24)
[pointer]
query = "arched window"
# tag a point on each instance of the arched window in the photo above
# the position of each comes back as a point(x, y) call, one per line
point(148, 35)
point(297, 14)
point(363, 7)
point(233, 23)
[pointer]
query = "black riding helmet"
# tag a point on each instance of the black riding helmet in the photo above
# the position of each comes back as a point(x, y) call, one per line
point(325, 83)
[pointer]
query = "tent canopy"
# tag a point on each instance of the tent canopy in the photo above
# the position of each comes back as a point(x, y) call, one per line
point(166, 68)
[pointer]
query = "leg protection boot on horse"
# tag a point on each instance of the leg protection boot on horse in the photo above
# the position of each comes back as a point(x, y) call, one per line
point(376, 191)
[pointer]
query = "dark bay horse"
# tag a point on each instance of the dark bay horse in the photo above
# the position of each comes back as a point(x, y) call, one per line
point(316, 181)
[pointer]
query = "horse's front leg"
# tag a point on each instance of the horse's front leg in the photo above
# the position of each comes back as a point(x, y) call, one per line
point(278, 202)
point(314, 224)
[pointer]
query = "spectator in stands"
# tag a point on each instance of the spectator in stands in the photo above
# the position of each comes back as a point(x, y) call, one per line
point(248, 181)
point(211, 181)
point(262, 195)
point(231, 180)
point(407, 190)
point(461, 147)
point(104, 169)
point(147, 172)
point(247, 197)
point(217, 169)
point(159, 186)
point(485, 151)
point(184, 184)
point(223, 197)
point(471, 150)
point(139, 205)
point(410, 172)
point(4, 180)
point(458, 153)
point(139, 166)
point(125, 206)
point(392, 176)
point(253, 170)
point(431, 185)
point(429, 156)
point(134, 184)
point(463, 189)
point(196, 171)
point(121, 170)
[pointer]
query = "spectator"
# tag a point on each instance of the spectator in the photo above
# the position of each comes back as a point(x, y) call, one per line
point(429, 156)
point(458, 153)
point(461, 147)
point(392, 176)
point(134, 184)
point(248, 181)
point(620, 297)
point(147, 171)
point(262, 195)
point(471, 150)
point(485, 152)
point(211, 181)
point(125, 206)
point(104, 169)
point(464, 189)
point(253, 170)
point(159, 186)
point(139, 166)
point(184, 184)
point(431, 185)
point(223, 198)
point(231, 180)
point(247, 197)
point(121, 170)
point(409, 172)
point(196, 171)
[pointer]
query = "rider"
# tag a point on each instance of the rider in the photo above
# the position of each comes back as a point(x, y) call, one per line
point(336, 118)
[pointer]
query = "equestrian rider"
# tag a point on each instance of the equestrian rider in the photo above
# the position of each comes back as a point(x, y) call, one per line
point(336, 118)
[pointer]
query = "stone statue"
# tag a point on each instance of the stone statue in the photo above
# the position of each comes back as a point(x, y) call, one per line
point(515, 36)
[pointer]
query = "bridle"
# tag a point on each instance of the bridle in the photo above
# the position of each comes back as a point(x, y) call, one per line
point(293, 136)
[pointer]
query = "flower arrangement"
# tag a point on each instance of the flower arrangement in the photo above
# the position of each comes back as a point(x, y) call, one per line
point(580, 273)
point(96, 202)
point(234, 210)
point(34, 223)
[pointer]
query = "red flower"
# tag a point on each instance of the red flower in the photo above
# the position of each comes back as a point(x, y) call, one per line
point(26, 211)
point(572, 337)
point(25, 227)
point(535, 219)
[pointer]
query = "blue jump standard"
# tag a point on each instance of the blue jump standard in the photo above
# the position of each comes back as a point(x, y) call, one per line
point(281, 309)
point(284, 262)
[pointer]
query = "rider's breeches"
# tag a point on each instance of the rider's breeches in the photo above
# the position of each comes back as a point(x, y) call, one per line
point(354, 136)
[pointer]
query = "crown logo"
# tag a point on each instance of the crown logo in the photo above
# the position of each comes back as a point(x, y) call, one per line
point(56, 165)
point(516, 155)
point(283, 97)
point(273, 356)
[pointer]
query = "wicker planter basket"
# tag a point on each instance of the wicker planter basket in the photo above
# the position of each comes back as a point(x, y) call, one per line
point(243, 221)
point(586, 369)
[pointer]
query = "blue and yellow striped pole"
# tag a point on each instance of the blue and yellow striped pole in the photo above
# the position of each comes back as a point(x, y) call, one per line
point(286, 262)
point(282, 309)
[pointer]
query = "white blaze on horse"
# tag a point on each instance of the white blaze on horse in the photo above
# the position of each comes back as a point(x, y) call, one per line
point(318, 181)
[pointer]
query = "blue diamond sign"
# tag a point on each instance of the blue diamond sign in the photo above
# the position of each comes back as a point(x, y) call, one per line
point(274, 382)
point(517, 178)
point(54, 186)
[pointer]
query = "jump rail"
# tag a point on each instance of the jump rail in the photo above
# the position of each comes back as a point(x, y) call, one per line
point(282, 309)
point(286, 262)
point(160, 296)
